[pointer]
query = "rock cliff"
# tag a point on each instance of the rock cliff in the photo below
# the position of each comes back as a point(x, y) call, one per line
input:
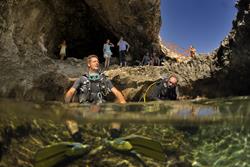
point(233, 59)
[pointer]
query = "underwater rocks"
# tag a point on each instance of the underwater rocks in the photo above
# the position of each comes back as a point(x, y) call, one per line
point(20, 151)
point(45, 124)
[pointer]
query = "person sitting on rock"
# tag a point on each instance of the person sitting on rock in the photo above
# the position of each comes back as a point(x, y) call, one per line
point(162, 58)
point(152, 60)
point(166, 89)
point(156, 61)
point(146, 59)
point(93, 86)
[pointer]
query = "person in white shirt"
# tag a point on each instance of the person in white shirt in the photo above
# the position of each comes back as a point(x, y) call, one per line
point(107, 52)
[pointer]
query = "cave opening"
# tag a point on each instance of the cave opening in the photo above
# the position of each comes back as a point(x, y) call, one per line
point(83, 31)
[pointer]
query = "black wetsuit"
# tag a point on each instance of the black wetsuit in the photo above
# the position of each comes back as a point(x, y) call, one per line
point(160, 92)
point(92, 91)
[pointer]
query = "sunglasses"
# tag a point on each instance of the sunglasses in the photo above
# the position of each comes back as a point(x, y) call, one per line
point(94, 77)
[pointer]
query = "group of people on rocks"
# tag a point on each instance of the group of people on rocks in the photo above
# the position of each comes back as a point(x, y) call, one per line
point(148, 59)
point(107, 53)
point(152, 59)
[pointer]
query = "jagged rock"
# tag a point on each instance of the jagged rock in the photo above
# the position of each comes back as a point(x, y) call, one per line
point(233, 59)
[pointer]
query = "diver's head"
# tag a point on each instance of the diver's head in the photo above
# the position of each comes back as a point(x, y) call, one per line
point(93, 63)
point(171, 82)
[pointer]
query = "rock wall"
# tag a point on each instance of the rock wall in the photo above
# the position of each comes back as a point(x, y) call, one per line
point(138, 21)
point(233, 59)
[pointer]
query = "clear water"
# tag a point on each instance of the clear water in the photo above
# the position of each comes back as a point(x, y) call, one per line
point(193, 133)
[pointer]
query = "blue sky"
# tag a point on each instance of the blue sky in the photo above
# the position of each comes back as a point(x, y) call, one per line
point(201, 23)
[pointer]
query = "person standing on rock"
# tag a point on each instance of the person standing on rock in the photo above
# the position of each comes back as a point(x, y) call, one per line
point(166, 89)
point(192, 51)
point(41, 43)
point(63, 47)
point(123, 48)
point(107, 53)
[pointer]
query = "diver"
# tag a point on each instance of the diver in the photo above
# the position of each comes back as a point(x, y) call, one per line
point(165, 89)
point(92, 87)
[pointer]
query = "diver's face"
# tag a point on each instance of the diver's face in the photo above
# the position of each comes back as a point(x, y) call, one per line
point(172, 82)
point(93, 64)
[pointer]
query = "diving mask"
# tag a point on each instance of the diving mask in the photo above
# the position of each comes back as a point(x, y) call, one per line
point(94, 76)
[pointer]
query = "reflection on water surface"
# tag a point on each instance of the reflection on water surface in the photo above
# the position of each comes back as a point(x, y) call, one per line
point(192, 133)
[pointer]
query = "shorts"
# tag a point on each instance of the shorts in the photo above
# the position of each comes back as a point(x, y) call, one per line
point(107, 54)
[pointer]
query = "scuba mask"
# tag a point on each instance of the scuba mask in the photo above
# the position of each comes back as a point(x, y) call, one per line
point(94, 76)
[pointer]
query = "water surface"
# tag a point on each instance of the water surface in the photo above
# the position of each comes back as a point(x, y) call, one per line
point(193, 133)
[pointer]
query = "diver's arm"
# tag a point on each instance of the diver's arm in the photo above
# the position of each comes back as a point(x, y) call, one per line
point(118, 95)
point(177, 93)
point(154, 95)
point(69, 95)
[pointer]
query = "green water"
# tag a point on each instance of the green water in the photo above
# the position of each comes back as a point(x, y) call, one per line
point(193, 133)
